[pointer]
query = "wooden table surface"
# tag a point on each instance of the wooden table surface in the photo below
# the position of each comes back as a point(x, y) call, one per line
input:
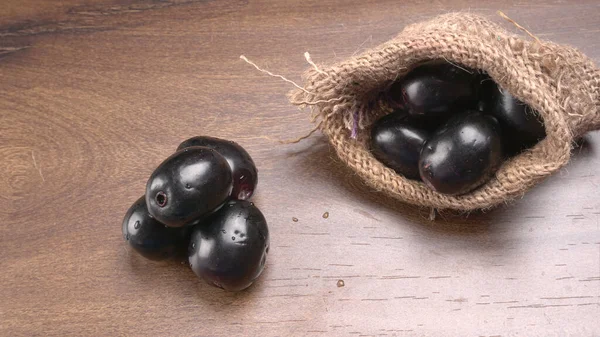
point(96, 93)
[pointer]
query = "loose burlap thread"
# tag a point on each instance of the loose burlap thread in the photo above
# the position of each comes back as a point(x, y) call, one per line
point(557, 81)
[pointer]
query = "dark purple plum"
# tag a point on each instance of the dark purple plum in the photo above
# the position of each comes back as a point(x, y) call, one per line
point(230, 250)
point(435, 90)
point(149, 237)
point(397, 143)
point(521, 126)
point(462, 155)
point(188, 186)
point(244, 172)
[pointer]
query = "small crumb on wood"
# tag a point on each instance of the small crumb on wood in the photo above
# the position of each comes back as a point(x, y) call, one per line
point(340, 283)
point(325, 215)
point(294, 219)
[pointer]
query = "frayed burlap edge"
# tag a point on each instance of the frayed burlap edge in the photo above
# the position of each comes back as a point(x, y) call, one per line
point(558, 81)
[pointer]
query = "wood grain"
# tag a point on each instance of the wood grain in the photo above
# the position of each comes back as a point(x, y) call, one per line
point(94, 94)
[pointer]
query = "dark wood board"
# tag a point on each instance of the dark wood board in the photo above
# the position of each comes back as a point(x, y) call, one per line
point(94, 94)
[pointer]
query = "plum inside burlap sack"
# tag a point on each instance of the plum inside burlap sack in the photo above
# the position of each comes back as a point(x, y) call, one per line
point(558, 81)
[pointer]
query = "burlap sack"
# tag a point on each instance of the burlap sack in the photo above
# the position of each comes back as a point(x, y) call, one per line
point(558, 81)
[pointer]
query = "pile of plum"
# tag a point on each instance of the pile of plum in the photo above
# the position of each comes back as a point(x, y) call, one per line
point(452, 128)
point(198, 199)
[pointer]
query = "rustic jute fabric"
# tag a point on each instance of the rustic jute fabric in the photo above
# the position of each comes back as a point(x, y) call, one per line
point(558, 81)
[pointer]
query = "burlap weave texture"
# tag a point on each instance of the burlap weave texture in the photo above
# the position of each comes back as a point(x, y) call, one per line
point(558, 81)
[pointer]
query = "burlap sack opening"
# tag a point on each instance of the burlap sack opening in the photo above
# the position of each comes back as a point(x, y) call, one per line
point(558, 81)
